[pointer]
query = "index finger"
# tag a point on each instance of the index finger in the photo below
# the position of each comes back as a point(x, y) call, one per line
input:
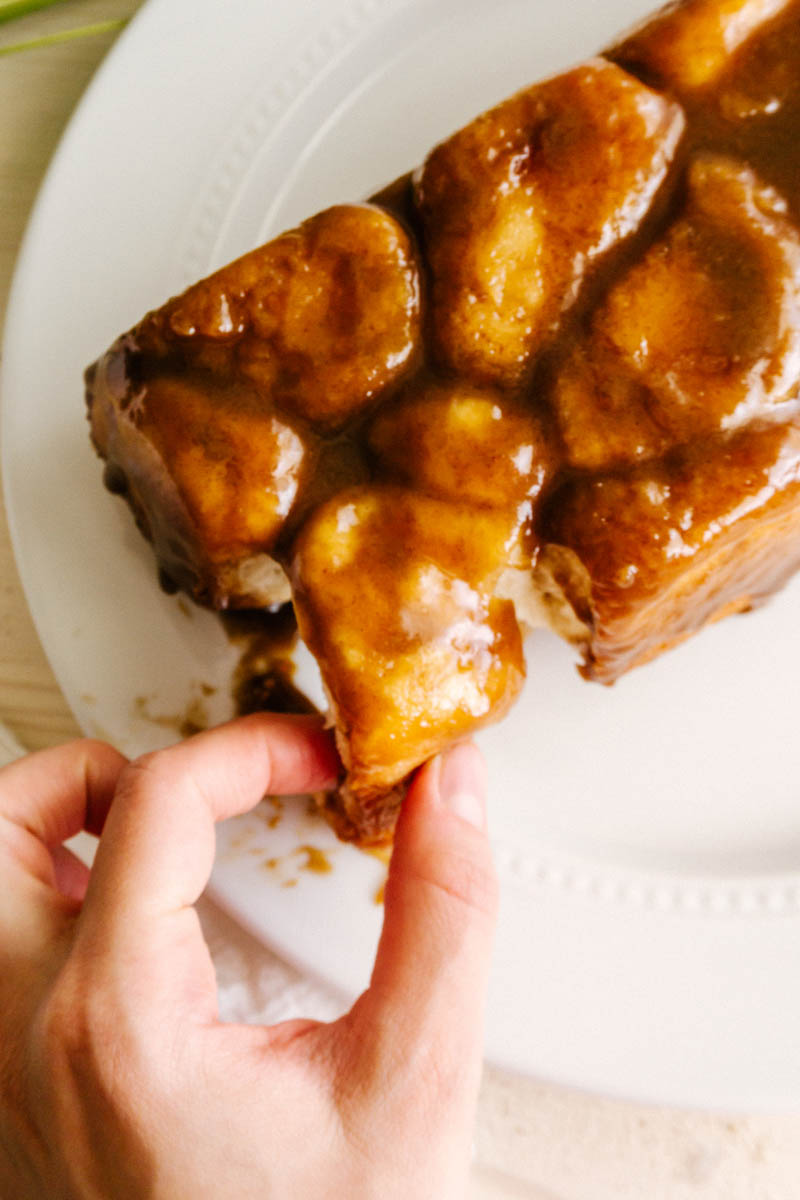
point(157, 848)
point(57, 792)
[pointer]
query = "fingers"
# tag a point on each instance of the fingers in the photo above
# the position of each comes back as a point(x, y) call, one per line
point(56, 793)
point(45, 798)
point(157, 848)
point(428, 987)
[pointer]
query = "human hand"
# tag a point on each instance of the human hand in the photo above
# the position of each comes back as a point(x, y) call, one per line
point(117, 1078)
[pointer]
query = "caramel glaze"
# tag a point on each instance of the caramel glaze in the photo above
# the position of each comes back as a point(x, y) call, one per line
point(264, 678)
point(568, 344)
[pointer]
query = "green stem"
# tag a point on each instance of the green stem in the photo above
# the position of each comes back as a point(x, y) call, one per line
point(9, 9)
point(67, 35)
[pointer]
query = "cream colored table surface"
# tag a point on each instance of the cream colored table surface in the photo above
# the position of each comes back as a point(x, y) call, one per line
point(532, 1140)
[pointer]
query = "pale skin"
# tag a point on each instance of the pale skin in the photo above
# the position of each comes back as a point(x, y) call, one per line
point(117, 1078)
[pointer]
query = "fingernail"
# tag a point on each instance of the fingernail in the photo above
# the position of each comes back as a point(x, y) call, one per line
point(462, 783)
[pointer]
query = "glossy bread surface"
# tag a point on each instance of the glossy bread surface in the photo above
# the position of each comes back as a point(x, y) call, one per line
point(551, 378)
point(517, 208)
point(395, 595)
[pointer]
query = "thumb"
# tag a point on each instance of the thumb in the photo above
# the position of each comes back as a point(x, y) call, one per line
point(429, 983)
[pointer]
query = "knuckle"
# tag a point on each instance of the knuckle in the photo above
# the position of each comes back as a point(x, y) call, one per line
point(151, 763)
point(9, 833)
point(422, 1083)
point(93, 747)
point(64, 1029)
point(468, 882)
point(98, 1090)
point(144, 772)
point(446, 1078)
point(87, 1036)
point(98, 757)
point(71, 1017)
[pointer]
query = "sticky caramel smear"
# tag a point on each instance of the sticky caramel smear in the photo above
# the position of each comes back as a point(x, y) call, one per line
point(263, 679)
point(268, 687)
point(273, 820)
point(317, 860)
point(194, 719)
point(241, 840)
point(380, 894)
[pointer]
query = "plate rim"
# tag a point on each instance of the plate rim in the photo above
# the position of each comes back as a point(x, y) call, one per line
point(135, 32)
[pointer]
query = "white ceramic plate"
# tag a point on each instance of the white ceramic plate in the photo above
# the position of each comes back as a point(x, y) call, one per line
point(648, 836)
